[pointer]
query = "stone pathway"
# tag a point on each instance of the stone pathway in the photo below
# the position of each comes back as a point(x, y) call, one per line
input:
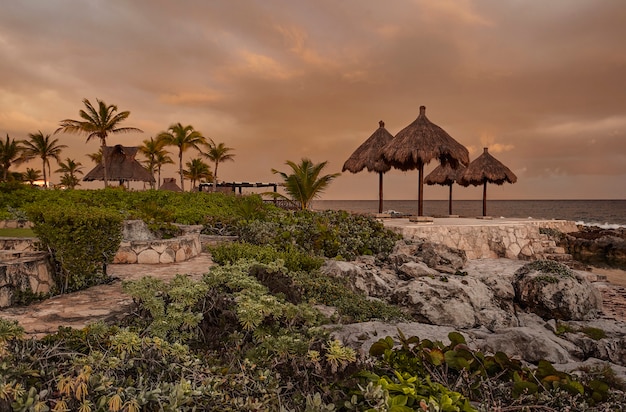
point(110, 303)
point(103, 302)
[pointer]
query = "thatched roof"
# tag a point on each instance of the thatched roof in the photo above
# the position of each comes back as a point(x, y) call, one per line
point(444, 175)
point(369, 155)
point(422, 141)
point(169, 183)
point(121, 165)
point(486, 168)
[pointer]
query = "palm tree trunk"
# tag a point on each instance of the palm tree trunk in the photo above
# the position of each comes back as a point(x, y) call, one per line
point(180, 168)
point(45, 182)
point(215, 177)
point(104, 165)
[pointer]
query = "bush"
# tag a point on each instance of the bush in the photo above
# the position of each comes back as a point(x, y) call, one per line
point(82, 241)
point(294, 260)
point(332, 234)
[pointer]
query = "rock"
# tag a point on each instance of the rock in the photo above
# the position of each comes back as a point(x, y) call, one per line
point(372, 282)
point(437, 256)
point(594, 245)
point(553, 291)
point(529, 344)
point(410, 270)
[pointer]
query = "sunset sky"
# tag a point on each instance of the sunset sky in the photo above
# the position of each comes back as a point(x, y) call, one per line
point(541, 83)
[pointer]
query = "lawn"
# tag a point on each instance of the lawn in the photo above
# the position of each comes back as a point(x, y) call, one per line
point(6, 232)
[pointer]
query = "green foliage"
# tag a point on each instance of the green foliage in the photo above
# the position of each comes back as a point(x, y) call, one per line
point(593, 333)
point(171, 311)
point(476, 375)
point(332, 234)
point(82, 240)
point(293, 259)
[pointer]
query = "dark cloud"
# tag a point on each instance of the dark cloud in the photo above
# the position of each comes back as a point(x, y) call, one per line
point(541, 84)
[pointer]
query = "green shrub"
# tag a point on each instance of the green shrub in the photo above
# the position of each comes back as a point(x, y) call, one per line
point(332, 234)
point(82, 241)
point(293, 259)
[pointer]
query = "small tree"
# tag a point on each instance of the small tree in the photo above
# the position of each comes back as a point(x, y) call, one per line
point(196, 171)
point(31, 175)
point(218, 153)
point(305, 183)
point(10, 154)
point(70, 168)
point(183, 137)
point(43, 147)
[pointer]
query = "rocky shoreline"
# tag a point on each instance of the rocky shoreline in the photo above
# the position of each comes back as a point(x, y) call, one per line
point(531, 311)
point(596, 246)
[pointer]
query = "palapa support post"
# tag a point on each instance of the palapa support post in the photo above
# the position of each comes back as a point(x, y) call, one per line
point(450, 200)
point(485, 198)
point(380, 192)
point(420, 190)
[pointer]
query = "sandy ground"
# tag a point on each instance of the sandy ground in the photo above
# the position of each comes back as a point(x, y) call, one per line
point(614, 276)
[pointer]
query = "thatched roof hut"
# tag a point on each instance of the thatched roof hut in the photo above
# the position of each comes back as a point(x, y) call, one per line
point(121, 165)
point(445, 175)
point(169, 183)
point(369, 156)
point(419, 143)
point(486, 169)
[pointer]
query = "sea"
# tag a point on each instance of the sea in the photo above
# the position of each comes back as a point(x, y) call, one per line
point(608, 214)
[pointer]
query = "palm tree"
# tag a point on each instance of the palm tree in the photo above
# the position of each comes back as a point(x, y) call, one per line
point(98, 123)
point(183, 137)
point(43, 147)
point(32, 175)
point(10, 154)
point(152, 149)
point(70, 168)
point(161, 159)
point(196, 171)
point(96, 157)
point(305, 183)
point(218, 153)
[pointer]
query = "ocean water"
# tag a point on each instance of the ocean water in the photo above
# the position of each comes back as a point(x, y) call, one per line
point(603, 213)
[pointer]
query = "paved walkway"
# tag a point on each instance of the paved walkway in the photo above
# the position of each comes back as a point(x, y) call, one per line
point(103, 302)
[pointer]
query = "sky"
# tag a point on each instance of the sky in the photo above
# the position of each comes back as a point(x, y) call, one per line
point(541, 84)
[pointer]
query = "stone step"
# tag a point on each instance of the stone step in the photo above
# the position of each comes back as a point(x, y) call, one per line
point(559, 257)
point(555, 250)
point(548, 243)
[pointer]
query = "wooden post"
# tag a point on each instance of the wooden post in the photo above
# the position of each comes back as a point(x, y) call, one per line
point(420, 190)
point(450, 201)
point(380, 192)
point(485, 198)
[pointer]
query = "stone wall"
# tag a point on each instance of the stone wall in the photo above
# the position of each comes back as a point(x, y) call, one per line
point(491, 239)
point(177, 249)
point(26, 272)
point(19, 244)
point(15, 224)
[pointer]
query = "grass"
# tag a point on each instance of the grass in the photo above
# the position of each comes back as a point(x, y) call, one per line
point(7, 232)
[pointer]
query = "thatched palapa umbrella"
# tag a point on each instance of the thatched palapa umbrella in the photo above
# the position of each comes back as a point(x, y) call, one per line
point(121, 165)
point(486, 169)
point(369, 156)
point(419, 143)
point(169, 183)
point(445, 175)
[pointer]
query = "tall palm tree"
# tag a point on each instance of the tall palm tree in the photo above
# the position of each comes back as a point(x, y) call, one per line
point(43, 147)
point(218, 153)
point(151, 149)
point(10, 154)
point(183, 137)
point(305, 183)
point(32, 175)
point(196, 171)
point(98, 123)
point(161, 159)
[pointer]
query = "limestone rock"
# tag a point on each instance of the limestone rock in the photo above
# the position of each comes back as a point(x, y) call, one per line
point(374, 282)
point(528, 344)
point(437, 256)
point(411, 270)
point(553, 291)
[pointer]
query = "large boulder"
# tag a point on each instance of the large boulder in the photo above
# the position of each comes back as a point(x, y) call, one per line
point(554, 291)
point(436, 256)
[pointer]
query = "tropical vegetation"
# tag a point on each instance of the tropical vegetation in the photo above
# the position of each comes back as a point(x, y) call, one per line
point(98, 123)
point(305, 181)
point(184, 138)
point(43, 147)
point(217, 153)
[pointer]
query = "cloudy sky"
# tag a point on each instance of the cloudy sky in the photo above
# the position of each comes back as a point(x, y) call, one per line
point(542, 84)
